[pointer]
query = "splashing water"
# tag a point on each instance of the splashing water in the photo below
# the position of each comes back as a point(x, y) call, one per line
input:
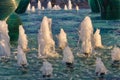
point(69, 5)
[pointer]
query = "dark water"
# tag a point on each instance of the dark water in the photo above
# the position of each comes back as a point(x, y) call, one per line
point(84, 68)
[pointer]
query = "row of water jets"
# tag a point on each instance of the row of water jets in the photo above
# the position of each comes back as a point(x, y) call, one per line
point(49, 7)
point(46, 45)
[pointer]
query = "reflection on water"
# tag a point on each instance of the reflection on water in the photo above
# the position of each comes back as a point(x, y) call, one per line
point(84, 68)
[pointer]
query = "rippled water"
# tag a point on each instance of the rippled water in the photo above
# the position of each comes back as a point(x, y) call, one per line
point(84, 68)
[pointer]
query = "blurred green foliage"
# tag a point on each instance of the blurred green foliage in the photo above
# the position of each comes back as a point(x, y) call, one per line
point(13, 22)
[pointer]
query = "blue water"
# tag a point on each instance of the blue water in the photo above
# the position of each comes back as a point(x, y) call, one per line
point(84, 68)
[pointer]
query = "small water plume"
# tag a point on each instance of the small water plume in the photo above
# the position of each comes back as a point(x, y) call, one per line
point(62, 37)
point(56, 7)
point(86, 47)
point(97, 39)
point(46, 36)
point(28, 7)
point(49, 6)
point(4, 49)
point(4, 31)
point(47, 69)
point(41, 45)
point(33, 9)
point(68, 57)
point(43, 8)
point(4, 40)
point(77, 7)
point(86, 29)
point(86, 35)
point(21, 57)
point(39, 5)
point(100, 68)
point(69, 5)
point(115, 55)
point(22, 40)
point(65, 7)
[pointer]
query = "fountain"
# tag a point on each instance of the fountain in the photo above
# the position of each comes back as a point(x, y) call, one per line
point(22, 40)
point(68, 57)
point(86, 29)
point(86, 34)
point(43, 8)
point(41, 45)
point(47, 69)
point(28, 7)
point(21, 57)
point(86, 47)
point(45, 31)
point(62, 37)
point(58, 7)
point(55, 7)
point(4, 47)
point(115, 54)
point(4, 31)
point(4, 40)
point(100, 68)
point(77, 7)
point(97, 39)
point(65, 7)
point(39, 5)
point(84, 68)
point(49, 5)
point(33, 9)
point(69, 5)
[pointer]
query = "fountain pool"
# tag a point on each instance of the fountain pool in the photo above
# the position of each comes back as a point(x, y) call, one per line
point(84, 68)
